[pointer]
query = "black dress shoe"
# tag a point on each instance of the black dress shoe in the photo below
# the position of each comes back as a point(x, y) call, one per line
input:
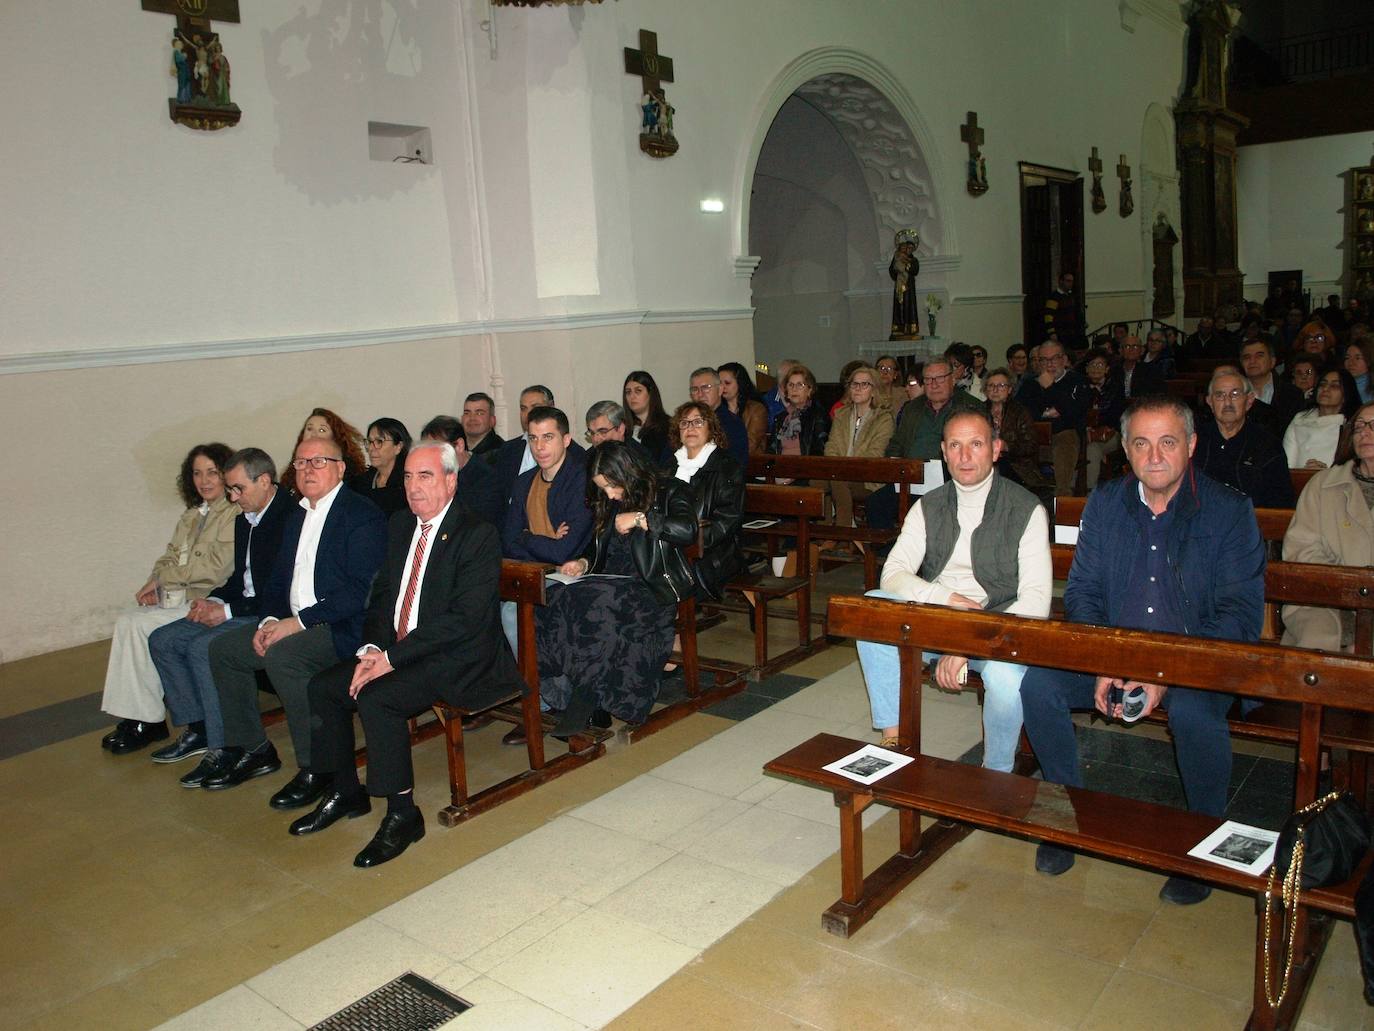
point(211, 763)
point(332, 808)
point(120, 729)
point(394, 836)
point(301, 790)
point(191, 742)
point(240, 766)
point(138, 736)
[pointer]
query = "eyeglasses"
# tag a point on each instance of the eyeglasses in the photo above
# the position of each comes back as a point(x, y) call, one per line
point(1235, 394)
point(997, 386)
point(701, 388)
point(887, 368)
point(691, 424)
point(233, 490)
point(379, 441)
point(1052, 357)
point(860, 383)
point(932, 378)
point(605, 431)
point(1362, 426)
point(318, 462)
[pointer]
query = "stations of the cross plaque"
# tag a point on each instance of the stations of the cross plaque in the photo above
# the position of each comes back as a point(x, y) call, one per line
point(971, 134)
point(1099, 195)
point(198, 63)
point(656, 115)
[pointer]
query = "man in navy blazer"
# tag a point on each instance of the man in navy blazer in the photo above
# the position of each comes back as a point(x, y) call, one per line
point(515, 458)
point(555, 525)
point(181, 650)
point(431, 635)
point(312, 611)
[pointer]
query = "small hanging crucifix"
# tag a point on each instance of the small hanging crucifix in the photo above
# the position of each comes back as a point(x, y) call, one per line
point(199, 64)
point(1123, 172)
point(977, 164)
point(656, 115)
point(1099, 197)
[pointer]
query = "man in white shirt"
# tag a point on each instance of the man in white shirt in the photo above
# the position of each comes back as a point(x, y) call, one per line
point(977, 542)
point(432, 634)
point(312, 608)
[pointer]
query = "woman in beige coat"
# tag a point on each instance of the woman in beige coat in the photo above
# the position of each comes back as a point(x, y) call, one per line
point(198, 559)
point(860, 430)
point(1333, 525)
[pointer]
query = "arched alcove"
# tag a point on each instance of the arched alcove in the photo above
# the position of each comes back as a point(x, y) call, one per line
point(1158, 194)
point(841, 162)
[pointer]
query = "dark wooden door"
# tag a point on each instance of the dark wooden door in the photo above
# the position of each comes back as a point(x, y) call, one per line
point(1051, 239)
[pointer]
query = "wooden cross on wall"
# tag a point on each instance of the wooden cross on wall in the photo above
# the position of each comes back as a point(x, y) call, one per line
point(977, 167)
point(1099, 197)
point(654, 69)
point(195, 15)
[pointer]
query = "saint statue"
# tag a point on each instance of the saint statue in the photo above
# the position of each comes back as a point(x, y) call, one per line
point(906, 318)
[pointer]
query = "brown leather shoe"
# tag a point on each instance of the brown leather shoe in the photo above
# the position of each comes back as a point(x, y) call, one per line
point(477, 721)
point(515, 736)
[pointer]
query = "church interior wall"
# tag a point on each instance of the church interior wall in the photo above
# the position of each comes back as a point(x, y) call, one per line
point(538, 243)
point(1290, 201)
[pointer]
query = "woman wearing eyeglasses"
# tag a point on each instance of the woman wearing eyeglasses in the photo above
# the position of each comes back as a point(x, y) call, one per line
point(890, 393)
point(324, 424)
point(801, 428)
point(383, 482)
point(603, 640)
point(199, 558)
point(701, 457)
point(860, 430)
point(1334, 525)
point(1312, 438)
point(1106, 402)
point(1020, 461)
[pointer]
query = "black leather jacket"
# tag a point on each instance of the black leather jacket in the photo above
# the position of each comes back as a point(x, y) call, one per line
point(718, 488)
point(658, 551)
point(815, 431)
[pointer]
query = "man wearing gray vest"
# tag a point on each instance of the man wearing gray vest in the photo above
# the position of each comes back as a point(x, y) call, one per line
point(977, 542)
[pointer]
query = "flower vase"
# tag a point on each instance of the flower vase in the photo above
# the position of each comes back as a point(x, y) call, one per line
point(930, 322)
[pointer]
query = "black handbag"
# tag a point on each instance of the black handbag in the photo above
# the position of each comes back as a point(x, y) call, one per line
point(1320, 845)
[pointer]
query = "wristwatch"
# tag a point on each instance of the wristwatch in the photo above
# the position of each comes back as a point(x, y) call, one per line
point(641, 521)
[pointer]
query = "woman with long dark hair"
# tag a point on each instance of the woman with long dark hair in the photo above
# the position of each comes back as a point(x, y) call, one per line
point(738, 393)
point(1313, 436)
point(388, 443)
point(648, 420)
point(603, 636)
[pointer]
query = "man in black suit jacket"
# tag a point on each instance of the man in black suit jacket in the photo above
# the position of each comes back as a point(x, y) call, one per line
point(312, 614)
point(1276, 400)
point(514, 458)
point(432, 633)
point(181, 650)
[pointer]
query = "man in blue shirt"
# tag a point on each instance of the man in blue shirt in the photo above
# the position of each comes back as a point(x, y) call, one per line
point(1169, 550)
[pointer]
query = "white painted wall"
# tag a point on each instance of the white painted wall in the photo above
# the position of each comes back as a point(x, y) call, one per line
point(1290, 200)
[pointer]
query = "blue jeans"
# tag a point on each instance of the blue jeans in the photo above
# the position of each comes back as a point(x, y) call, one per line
point(1197, 721)
point(1001, 695)
point(181, 653)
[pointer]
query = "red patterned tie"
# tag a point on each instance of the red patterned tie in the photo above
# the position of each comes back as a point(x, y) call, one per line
point(414, 585)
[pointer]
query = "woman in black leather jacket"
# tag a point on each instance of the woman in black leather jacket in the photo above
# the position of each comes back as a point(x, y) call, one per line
point(802, 428)
point(605, 634)
point(701, 457)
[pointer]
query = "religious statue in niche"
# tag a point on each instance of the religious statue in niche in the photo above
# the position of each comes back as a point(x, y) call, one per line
point(904, 267)
point(1165, 240)
point(655, 113)
point(1123, 171)
point(1365, 189)
point(199, 64)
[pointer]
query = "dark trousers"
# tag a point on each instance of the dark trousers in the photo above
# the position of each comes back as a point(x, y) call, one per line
point(290, 663)
point(880, 510)
point(385, 706)
point(1197, 720)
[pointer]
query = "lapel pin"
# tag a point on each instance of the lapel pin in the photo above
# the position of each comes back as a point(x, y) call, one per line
point(443, 536)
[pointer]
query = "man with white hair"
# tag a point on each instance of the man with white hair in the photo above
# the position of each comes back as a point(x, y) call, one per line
point(432, 633)
point(1238, 451)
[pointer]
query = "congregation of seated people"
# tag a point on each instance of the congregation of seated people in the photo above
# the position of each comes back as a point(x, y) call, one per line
point(360, 575)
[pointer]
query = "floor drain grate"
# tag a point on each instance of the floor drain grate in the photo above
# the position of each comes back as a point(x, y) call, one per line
point(409, 1003)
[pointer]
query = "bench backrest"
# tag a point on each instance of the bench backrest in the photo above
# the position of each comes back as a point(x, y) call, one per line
point(770, 500)
point(1273, 522)
point(522, 581)
point(905, 471)
point(1258, 670)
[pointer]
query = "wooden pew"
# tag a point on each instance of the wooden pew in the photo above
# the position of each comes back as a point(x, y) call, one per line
point(801, 505)
point(1273, 522)
point(904, 471)
point(1300, 478)
point(963, 797)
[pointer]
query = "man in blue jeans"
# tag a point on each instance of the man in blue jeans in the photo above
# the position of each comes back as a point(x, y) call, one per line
point(1166, 549)
point(978, 541)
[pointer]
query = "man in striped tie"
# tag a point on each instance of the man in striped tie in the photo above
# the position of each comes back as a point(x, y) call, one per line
point(432, 633)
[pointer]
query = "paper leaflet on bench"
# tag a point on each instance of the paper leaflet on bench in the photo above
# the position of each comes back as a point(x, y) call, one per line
point(1238, 846)
point(932, 476)
point(564, 578)
point(870, 763)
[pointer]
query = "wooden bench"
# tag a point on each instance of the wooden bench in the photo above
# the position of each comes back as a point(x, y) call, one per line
point(1300, 478)
point(800, 505)
point(1273, 522)
point(904, 472)
point(963, 797)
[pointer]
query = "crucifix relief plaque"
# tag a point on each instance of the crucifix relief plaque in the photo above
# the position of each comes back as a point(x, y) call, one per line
point(1099, 197)
point(656, 115)
point(199, 64)
point(1123, 172)
point(977, 164)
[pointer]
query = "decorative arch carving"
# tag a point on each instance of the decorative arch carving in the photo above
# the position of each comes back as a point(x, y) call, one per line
point(900, 159)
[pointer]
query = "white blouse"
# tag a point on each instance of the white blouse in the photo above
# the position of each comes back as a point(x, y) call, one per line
point(1310, 436)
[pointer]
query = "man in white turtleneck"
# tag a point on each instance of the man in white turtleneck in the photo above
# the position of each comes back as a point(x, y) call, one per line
point(977, 542)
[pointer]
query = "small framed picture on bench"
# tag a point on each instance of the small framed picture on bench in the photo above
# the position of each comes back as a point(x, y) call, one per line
point(870, 763)
point(1239, 847)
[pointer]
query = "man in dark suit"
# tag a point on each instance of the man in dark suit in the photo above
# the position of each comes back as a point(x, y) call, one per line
point(1276, 400)
point(479, 424)
point(514, 458)
point(312, 617)
point(432, 634)
point(181, 650)
point(477, 484)
point(1138, 378)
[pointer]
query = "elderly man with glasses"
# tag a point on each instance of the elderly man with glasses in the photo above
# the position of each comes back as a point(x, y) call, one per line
point(704, 387)
point(608, 420)
point(312, 611)
point(1060, 396)
point(1237, 450)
